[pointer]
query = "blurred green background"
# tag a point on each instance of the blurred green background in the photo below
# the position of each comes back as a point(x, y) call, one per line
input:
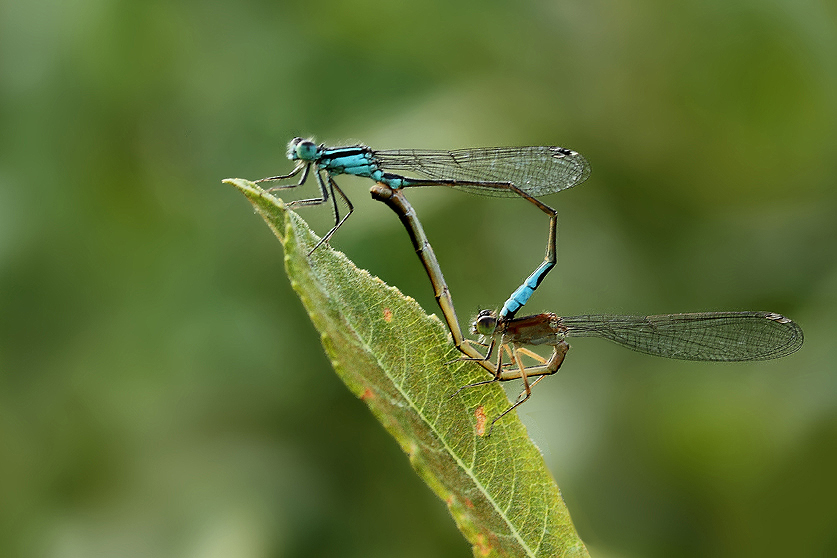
point(162, 392)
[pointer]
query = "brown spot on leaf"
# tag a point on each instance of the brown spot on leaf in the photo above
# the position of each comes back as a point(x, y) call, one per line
point(480, 414)
point(482, 546)
point(387, 315)
point(367, 394)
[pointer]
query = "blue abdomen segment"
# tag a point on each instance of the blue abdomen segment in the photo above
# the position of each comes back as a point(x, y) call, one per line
point(524, 292)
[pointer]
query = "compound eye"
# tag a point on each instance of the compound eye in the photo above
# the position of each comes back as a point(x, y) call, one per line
point(306, 150)
point(486, 323)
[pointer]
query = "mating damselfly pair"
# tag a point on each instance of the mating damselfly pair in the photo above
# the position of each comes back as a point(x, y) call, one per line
point(526, 172)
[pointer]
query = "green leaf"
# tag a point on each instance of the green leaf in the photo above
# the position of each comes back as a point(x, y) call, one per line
point(393, 356)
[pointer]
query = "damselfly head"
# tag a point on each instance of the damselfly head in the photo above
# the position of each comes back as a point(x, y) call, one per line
point(303, 149)
point(485, 323)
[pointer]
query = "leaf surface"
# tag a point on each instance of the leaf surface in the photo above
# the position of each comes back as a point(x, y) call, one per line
point(397, 359)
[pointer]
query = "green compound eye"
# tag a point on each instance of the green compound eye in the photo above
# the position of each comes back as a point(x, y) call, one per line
point(486, 323)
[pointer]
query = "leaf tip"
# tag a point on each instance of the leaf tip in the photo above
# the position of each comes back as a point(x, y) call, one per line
point(240, 183)
point(253, 190)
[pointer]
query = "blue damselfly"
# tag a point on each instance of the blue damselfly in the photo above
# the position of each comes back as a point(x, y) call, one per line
point(524, 172)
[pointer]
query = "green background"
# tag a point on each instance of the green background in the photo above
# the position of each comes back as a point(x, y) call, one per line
point(162, 392)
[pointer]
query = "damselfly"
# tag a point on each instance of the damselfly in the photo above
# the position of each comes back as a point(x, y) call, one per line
point(702, 336)
point(493, 171)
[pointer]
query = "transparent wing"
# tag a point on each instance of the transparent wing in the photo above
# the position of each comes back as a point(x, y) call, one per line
point(537, 170)
point(708, 336)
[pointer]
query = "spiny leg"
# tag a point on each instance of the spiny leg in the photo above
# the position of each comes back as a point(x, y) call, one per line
point(476, 359)
point(299, 166)
point(324, 193)
point(531, 354)
point(527, 389)
point(496, 377)
point(510, 353)
point(549, 367)
point(338, 222)
point(559, 352)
